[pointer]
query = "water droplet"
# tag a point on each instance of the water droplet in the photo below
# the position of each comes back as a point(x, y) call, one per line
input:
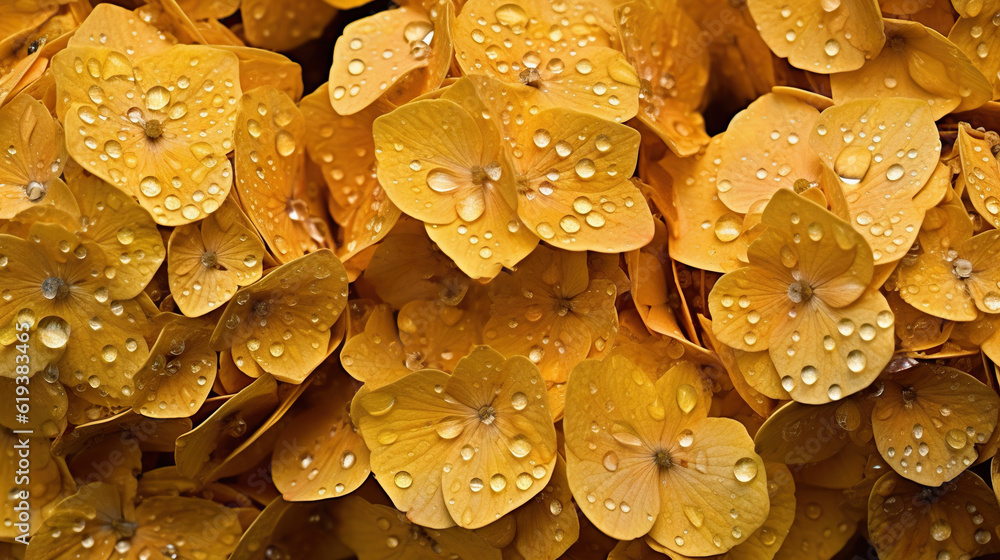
point(895, 172)
point(404, 480)
point(610, 461)
point(687, 398)
point(284, 142)
point(745, 469)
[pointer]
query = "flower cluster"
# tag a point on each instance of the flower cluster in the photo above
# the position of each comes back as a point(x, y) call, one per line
point(500, 279)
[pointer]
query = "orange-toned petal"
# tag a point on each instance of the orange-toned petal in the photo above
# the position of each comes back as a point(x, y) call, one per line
point(49, 404)
point(375, 357)
point(48, 482)
point(279, 529)
point(282, 323)
point(767, 539)
point(881, 192)
point(209, 261)
point(262, 68)
point(343, 147)
point(981, 173)
point(611, 445)
point(759, 401)
point(705, 233)
point(915, 329)
point(436, 335)
point(784, 436)
point(547, 525)
point(747, 305)
point(822, 38)
point(437, 161)
point(270, 172)
point(213, 9)
point(943, 521)
point(919, 63)
point(915, 436)
point(765, 149)
point(823, 524)
point(497, 239)
point(759, 371)
point(99, 505)
point(318, 454)
point(35, 156)
point(629, 440)
point(382, 52)
point(984, 281)
point(517, 43)
point(282, 26)
point(931, 285)
point(377, 531)
point(179, 373)
point(484, 435)
point(408, 266)
point(672, 82)
point(147, 148)
point(200, 452)
point(981, 48)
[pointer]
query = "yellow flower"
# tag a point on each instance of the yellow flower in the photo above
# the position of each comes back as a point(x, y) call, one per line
point(805, 298)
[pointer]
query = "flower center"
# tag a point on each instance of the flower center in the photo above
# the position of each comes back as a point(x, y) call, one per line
point(896, 43)
point(530, 77)
point(663, 459)
point(209, 259)
point(487, 415)
point(962, 268)
point(54, 287)
point(482, 175)
point(153, 129)
point(799, 291)
point(124, 529)
point(563, 306)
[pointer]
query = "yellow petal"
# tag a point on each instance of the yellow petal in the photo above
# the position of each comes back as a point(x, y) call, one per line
point(919, 441)
point(673, 83)
point(343, 147)
point(516, 43)
point(285, 25)
point(881, 193)
point(381, 52)
point(318, 454)
point(147, 149)
point(270, 169)
point(35, 156)
point(375, 357)
point(981, 174)
point(823, 524)
point(946, 523)
point(765, 149)
point(573, 182)
point(201, 452)
point(919, 63)
point(705, 233)
point(377, 531)
point(485, 439)
point(283, 323)
point(179, 373)
point(849, 33)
